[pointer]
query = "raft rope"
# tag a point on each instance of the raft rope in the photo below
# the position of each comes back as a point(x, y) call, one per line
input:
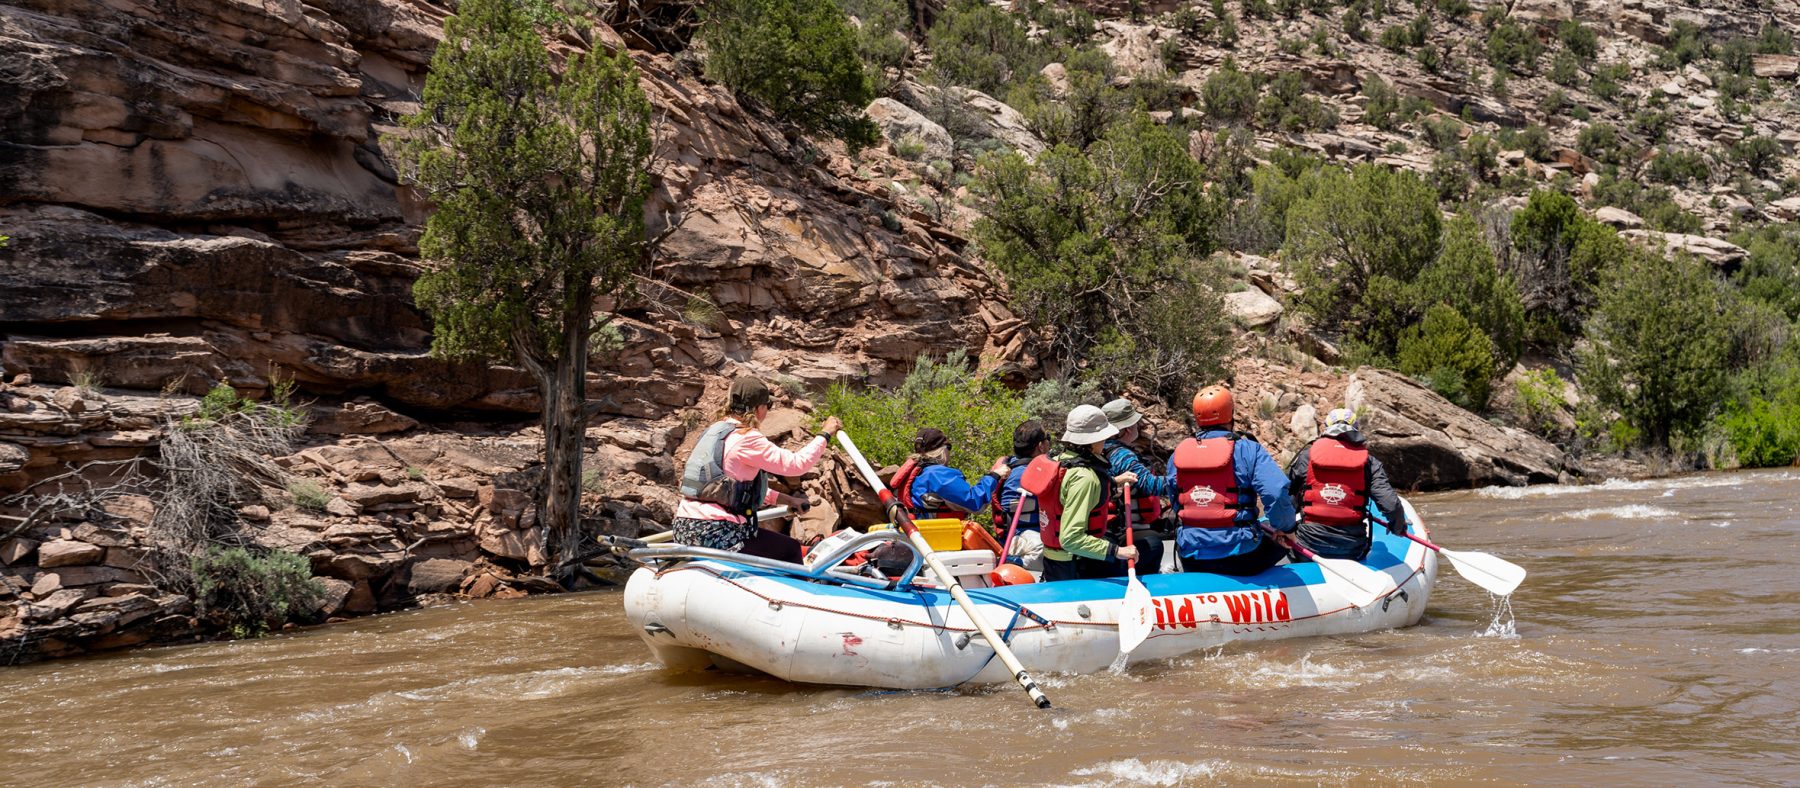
point(1018, 608)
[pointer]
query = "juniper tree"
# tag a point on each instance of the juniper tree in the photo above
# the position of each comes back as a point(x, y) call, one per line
point(538, 178)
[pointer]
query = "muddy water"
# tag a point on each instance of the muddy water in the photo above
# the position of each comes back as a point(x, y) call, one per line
point(1655, 642)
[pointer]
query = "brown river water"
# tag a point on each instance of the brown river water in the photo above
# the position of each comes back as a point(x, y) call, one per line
point(1656, 642)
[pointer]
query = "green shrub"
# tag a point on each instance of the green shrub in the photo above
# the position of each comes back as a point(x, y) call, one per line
point(1679, 167)
point(1050, 400)
point(1579, 40)
point(1659, 331)
point(1449, 177)
point(975, 45)
point(1287, 107)
point(1081, 115)
point(1229, 94)
point(1450, 355)
point(1397, 38)
point(1771, 272)
point(976, 412)
point(308, 495)
point(1760, 155)
point(1537, 398)
point(1687, 42)
point(1565, 70)
point(1653, 124)
point(1512, 46)
point(1103, 243)
point(1654, 204)
point(1385, 109)
point(1605, 83)
point(1534, 140)
point(1558, 258)
point(1764, 434)
point(881, 39)
point(251, 593)
point(1258, 9)
point(1466, 277)
point(1599, 141)
point(796, 57)
point(1772, 40)
point(1444, 132)
point(1353, 226)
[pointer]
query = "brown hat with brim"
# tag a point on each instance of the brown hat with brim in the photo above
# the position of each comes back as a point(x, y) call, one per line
point(747, 393)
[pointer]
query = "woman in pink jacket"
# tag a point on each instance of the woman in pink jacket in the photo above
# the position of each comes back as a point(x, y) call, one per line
point(746, 456)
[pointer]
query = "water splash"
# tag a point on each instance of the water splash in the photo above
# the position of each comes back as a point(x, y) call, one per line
point(1503, 625)
point(1118, 665)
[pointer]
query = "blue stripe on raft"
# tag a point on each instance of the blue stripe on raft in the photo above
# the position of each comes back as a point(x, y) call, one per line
point(1385, 552)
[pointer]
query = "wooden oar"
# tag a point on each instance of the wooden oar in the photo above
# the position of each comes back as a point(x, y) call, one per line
point(1357, 584)
point(1498, 575)
point(904, 522)
point(1135, 616)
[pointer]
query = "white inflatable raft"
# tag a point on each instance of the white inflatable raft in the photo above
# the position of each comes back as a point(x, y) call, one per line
point(697, 608)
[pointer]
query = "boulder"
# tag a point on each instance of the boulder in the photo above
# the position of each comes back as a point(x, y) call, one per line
point(1619, 218)
point(1720, 253)
point(1304, 424)
point(1428, 443)
point(1787, 208)
point(68, 552)
point(364, 496)
point(1133, 48)
point(435, 576)
point(56, 605)
point(337, 592)
point(901, 123)
point(360, 417)
point(1546, 12)
point(47, 583)
point(1776, 66)
point(17, 550)
point(1252, 307)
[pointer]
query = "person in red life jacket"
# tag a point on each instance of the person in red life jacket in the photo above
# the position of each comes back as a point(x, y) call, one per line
point(1078, 503)
point(725, 479)
point(930, 488)
point(1148, 493)
point(1333, 480)
point(1219, 477)
point(1027, 550)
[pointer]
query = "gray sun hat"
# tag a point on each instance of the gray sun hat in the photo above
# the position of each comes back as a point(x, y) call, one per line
point(1087, 425)
point(1120, 413)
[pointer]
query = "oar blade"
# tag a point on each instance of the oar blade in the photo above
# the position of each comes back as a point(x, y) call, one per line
point(1497, 575)
point(1136, 616)
point(1358, 584)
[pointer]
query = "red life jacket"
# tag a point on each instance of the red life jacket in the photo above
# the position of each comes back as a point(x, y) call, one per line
point(1335, 475)
point(1043, 479)
point(1145, 509)
point(902, 485)
point(1206, 478)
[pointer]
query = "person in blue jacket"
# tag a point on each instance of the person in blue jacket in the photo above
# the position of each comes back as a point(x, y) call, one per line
point(1147, 493)
point(933, 489)
point(1030, 441)
point(1219, 477)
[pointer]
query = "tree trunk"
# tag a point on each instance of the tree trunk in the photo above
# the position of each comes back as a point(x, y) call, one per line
point(565, 430)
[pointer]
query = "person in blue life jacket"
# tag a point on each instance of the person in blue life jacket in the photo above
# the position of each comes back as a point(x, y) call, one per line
point(930, 488)
point(1030, 441)
point(1219, 477)
point(1147, 494)
point(1334, 479)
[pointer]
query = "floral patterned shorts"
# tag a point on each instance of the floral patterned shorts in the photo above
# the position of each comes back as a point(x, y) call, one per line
point(716, 534)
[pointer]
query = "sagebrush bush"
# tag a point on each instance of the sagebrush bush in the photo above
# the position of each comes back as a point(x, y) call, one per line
point(976, 45)
point(1537, 398)
point(253, 592)
point(1229, 94)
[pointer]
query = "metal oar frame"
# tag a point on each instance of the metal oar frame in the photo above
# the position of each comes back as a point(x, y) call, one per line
point(824, 570)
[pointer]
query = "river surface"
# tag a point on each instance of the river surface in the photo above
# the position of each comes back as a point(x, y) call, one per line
point(1656, 642)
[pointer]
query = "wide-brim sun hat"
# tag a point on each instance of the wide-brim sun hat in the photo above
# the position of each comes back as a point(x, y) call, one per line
point(1087, 425)
point(1121, 414)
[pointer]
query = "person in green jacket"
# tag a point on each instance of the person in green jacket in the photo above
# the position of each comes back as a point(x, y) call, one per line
point(1075, 544)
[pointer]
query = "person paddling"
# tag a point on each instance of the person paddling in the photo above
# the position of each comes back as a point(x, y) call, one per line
point(1148, 493)
point(1029, 443)
point(1219, 477)
point(930, 488)
point(1078, 502)
point(725, 480)
point(1333, 480)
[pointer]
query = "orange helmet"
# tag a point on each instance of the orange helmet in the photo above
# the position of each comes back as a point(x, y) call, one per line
point(1212, 406)
point(1011, 575)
